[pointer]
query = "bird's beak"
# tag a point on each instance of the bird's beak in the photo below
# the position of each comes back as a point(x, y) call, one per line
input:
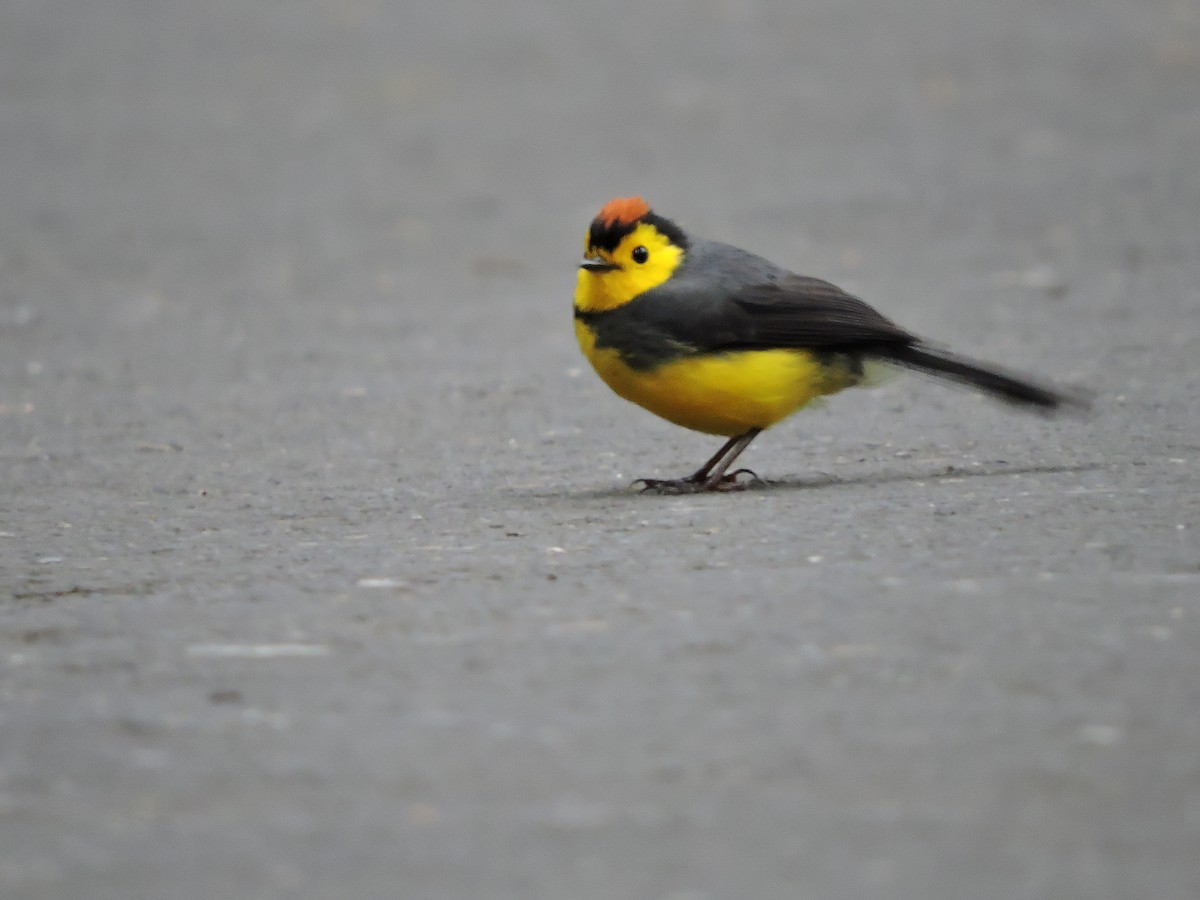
point(596, 264)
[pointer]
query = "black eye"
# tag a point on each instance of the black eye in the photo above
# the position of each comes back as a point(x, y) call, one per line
point(640, 255)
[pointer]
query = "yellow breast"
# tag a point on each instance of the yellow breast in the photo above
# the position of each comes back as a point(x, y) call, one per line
point(726, 393)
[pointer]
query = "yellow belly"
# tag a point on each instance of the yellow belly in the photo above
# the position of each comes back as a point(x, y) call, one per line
point(727, 393)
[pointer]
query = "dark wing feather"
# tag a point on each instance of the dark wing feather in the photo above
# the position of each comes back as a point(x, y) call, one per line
point(776, 310)
point(798, 311)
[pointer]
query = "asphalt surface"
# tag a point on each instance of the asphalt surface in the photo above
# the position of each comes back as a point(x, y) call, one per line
point(319, 571)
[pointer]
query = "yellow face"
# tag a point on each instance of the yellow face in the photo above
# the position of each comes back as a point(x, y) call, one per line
point(644, 259)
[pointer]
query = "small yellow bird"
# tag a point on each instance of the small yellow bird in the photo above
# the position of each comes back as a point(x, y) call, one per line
point(719, 340)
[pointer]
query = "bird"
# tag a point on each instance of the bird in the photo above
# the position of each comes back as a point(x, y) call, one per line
point(719, 340)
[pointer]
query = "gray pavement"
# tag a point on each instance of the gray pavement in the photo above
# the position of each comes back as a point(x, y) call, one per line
point(319, 573)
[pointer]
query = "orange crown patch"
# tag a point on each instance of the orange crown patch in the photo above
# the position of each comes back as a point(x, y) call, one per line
point(622, 211)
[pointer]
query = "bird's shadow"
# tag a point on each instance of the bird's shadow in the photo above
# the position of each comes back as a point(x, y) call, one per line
point(766, 486)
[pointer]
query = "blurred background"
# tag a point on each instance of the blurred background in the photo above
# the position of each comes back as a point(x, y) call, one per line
point(286, 359)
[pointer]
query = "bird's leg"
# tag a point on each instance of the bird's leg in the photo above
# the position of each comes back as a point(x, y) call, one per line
point(716, 479)
point(701, 473)
point(710, 476)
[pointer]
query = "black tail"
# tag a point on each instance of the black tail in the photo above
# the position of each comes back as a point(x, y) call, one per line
point(1010, 388)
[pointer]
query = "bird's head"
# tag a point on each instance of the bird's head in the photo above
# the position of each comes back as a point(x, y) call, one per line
point(629, 250)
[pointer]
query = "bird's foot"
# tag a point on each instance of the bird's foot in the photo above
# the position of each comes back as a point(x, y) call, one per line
point(694, 485)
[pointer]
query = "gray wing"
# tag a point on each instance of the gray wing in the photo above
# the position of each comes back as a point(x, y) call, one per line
point(783, 310)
